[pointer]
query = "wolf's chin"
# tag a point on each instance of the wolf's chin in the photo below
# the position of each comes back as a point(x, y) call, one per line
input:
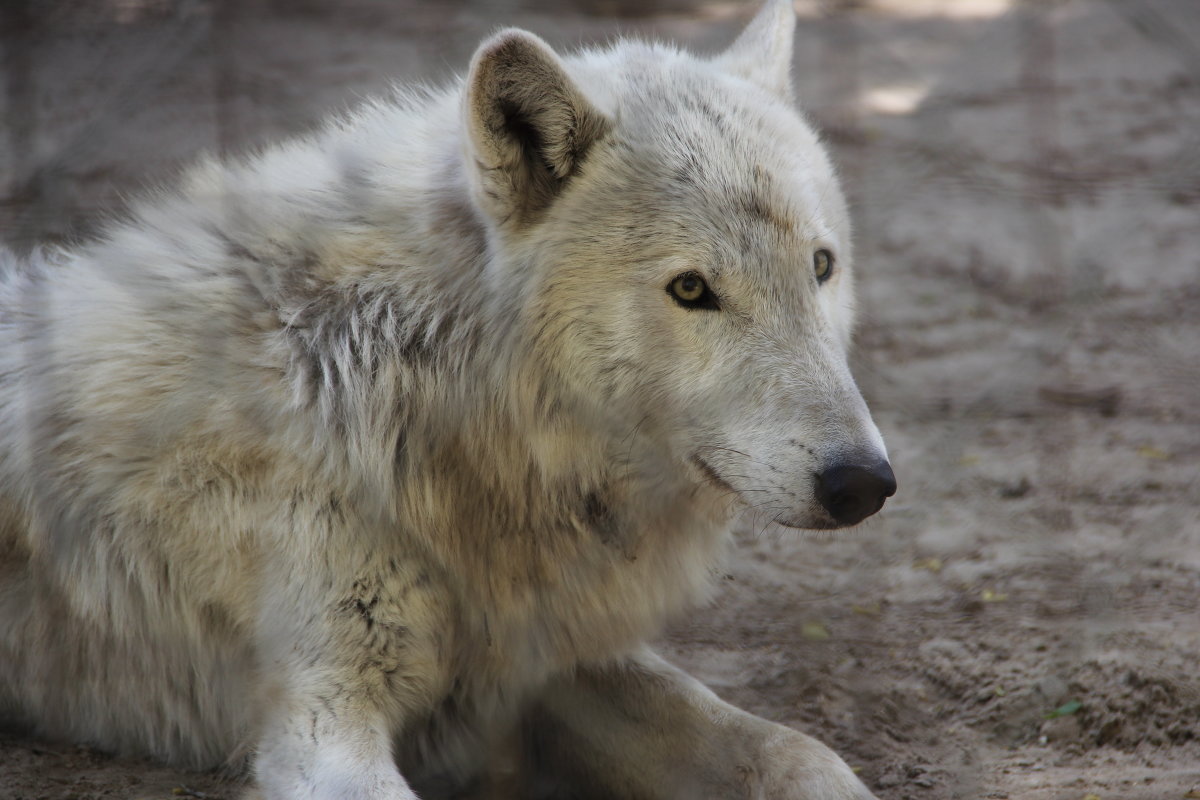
point(810, 524)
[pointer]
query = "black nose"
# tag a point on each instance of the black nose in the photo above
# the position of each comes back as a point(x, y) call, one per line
point(851, 493)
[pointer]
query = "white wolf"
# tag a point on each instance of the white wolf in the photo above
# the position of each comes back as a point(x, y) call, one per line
point(366, 458)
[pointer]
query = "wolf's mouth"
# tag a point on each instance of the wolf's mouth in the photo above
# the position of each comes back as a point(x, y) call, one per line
point(715, 479)
point(712, 475)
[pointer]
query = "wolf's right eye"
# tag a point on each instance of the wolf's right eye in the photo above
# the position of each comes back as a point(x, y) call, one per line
point(690, 291)
point(822, 265)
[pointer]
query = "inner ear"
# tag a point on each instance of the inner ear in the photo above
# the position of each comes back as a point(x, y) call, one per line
point(529, 126)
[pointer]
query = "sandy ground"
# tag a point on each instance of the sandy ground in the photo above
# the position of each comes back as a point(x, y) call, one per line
point(1026, 183)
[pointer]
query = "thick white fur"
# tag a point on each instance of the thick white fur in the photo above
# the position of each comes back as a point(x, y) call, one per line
point(351, 460)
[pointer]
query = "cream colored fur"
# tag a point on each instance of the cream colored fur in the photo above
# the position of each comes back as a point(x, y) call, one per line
point(363, 458)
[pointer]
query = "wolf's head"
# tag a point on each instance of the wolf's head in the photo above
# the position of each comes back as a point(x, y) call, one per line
point(681, 249)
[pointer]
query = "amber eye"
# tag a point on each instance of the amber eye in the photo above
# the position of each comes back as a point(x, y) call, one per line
point(690, 291)
point(822, 265)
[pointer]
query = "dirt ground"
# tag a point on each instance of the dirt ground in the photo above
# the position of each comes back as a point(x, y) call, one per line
point(1026, 187)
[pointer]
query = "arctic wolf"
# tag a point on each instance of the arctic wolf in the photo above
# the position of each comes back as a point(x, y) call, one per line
point(381, 452)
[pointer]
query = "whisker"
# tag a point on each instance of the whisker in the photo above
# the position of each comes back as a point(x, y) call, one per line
point(746, 456)
point(631, 438)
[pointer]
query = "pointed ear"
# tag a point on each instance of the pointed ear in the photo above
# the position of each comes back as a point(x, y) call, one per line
point(528, 125)
point(762, 53)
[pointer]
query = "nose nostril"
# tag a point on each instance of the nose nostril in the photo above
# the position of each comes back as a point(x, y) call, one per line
point(852, 492)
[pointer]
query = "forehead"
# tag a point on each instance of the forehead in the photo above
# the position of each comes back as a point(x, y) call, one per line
point(731, 157)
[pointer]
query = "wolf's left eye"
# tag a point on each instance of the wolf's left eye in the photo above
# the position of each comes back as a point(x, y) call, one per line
point(690, 291)
point(822, 265)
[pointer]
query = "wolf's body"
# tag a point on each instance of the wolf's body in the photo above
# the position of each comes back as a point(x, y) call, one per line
point(394, 442)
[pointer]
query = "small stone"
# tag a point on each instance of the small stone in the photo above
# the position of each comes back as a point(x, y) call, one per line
point(1061, 730)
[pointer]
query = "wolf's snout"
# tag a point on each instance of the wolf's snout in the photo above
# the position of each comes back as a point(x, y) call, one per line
point(851, 492)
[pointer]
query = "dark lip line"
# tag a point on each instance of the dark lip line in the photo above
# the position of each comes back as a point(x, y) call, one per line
point(713, 475)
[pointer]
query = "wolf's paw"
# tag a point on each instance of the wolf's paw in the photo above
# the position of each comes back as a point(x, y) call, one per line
point(792, 766)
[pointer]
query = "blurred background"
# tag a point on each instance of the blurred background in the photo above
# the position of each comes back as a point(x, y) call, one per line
point(1023, 619)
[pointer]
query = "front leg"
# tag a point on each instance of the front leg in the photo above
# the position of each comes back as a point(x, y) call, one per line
point(315, 749)
point(640, 728)
point(349, 656)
